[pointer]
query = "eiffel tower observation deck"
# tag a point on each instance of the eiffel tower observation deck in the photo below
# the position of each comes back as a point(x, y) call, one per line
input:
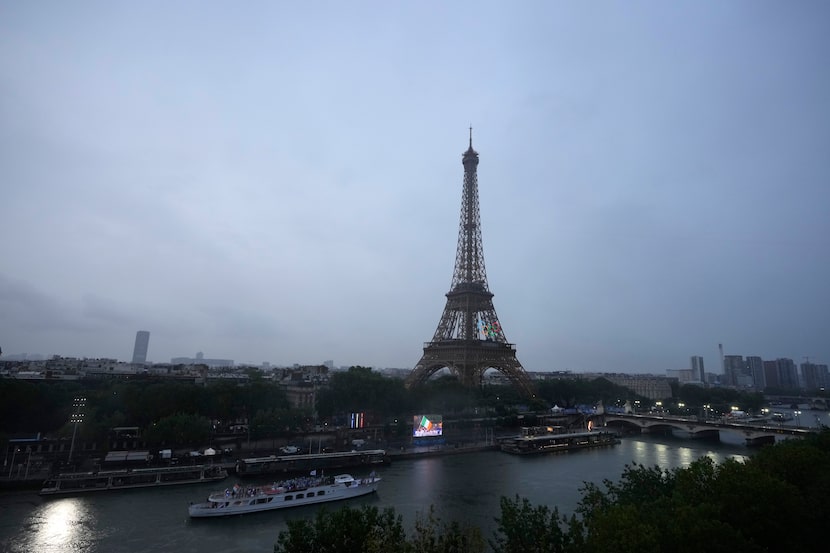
point(470, 339)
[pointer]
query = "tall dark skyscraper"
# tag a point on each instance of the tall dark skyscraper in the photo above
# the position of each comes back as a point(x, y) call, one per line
point(755, 369)
point(142, 342)
point(733, 368)
point(469, 339)
point(787, 373)
point(697, 369)
point(814, 377)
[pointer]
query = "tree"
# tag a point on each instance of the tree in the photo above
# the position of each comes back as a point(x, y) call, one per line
point(35, 407)
point(362, 390)
point(734, 506)
point(568, 392)
point(369, 530)
point(180, 428)
point(346, 530)
point(435, 536)
point(523, 528)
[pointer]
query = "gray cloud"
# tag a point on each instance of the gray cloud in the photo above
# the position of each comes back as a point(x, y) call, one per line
point(283, 183)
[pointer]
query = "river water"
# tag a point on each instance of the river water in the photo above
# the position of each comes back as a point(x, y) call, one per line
point(465, 487)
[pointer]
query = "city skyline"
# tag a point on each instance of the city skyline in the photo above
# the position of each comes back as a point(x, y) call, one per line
point(695, 363)
point(282, 183)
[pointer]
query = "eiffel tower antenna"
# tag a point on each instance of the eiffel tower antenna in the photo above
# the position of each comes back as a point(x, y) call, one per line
point(469, 339)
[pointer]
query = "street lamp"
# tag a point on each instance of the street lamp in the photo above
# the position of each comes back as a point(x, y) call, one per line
point(797, 420)
point(75, 419)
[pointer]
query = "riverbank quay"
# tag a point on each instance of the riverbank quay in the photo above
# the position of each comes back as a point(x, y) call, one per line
point(419, 452)
point(409, 451)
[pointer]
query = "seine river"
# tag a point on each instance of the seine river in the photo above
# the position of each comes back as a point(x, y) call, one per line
point(464, 487)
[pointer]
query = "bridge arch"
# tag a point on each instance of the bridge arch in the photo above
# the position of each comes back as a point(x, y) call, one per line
point(752, 434)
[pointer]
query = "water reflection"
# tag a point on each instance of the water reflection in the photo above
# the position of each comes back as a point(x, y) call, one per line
point(61, 525)
point(661, 455)
point(685, 456)
point(640, 452)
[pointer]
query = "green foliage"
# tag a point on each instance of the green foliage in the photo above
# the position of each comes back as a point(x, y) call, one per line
point(623, 529)
point(567, 392)
point(447, 395)
point(721, 399)
point(157, 407)
point(35, 406)
point(435, 536)
point(272, 423)
point(367, 529)
point(362, 390)
point(523, 528)
point(259, 396)
point(761, 506)
point(776, 500)
point(801, 469)
point(179, 428)
point(346, 530)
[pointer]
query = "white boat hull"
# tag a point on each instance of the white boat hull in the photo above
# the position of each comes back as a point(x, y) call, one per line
point(241, 504)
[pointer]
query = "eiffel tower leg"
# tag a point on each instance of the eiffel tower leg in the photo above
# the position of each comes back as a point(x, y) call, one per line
point(469, 362)
point(517, 375)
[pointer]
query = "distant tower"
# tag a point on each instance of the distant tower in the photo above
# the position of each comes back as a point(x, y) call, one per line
point(722, 366)
point(734, 370)
point(697, 368)
point(469, 339)
point(142, 342)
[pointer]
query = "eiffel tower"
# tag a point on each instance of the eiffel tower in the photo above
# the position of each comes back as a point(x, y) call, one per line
point(469, 339)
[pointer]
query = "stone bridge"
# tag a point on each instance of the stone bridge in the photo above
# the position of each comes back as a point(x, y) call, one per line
point(753, 433)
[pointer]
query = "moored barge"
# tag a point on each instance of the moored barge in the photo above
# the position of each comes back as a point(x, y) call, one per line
point(287, 464)
point(537, 440)
point(83, 482)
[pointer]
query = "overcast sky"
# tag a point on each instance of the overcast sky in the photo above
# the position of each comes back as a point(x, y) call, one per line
point(281, 181)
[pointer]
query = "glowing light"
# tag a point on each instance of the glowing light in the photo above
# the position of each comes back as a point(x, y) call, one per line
point(427, 425)
point(61, 525)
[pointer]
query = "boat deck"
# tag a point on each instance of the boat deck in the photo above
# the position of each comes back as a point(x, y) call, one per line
point(542, 442)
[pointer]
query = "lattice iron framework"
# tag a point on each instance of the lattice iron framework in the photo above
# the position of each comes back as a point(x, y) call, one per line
point(469, 339)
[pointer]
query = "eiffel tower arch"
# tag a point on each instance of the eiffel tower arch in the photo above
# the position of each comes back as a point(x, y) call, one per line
point(469, 339)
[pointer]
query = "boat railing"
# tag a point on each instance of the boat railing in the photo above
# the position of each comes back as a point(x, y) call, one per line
point(128, 472)
point(316, 456)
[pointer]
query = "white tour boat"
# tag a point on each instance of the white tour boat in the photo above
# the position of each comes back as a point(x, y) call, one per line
point(295, 492)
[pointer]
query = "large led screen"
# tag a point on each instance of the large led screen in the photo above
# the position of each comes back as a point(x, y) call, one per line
point(424, 426)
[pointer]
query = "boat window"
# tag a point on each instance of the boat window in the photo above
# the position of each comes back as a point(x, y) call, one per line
point(321, 492)
point(289, 497)
point(299, 496)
